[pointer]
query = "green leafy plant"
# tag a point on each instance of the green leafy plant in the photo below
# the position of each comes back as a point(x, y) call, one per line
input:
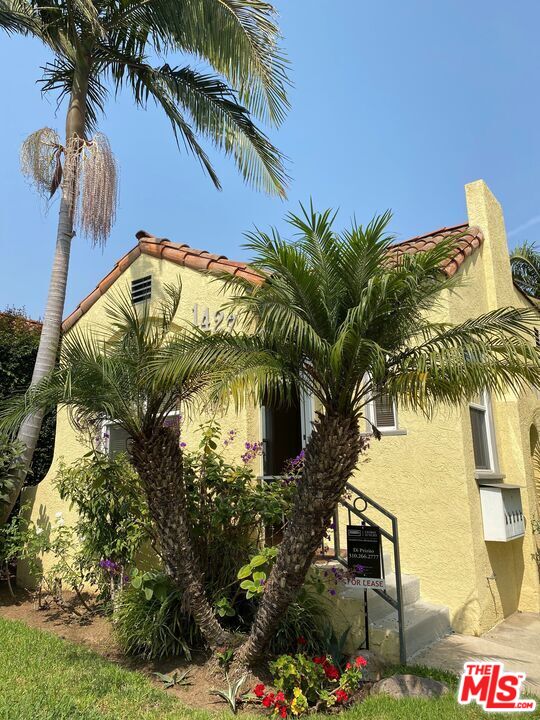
point(175, 678)
point(11, 460)
point(231, 694)
point(149, 621)
point(19, 340)
point(224, 608)
point(254, 574)
point(225, 658)
point(112, 516)
point(19, 540)
point(304, 683)
point(306, 624)
point(228, 508)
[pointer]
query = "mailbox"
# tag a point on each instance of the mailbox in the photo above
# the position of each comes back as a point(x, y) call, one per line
point(502, 512)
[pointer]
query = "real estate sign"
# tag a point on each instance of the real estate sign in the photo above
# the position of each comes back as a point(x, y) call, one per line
point(364, 556)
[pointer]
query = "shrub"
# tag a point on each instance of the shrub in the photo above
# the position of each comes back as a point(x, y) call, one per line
point(305, 625)
point(112, 521)
point(10, 462)
point(19, 340)
point(228, 506)
point(149, 621)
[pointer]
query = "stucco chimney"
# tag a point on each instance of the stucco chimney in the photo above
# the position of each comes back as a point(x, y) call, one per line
point(485, 212)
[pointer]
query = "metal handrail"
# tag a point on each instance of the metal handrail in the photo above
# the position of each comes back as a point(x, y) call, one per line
point(392, 537)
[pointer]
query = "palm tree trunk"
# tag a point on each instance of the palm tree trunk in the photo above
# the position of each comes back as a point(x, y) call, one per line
point(331, 456)
point(54, 310)
point(158, 460)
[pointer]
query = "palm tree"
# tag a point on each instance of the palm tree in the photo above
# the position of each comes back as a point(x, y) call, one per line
point(102, 43)
point(345, 318)
point(104, 376)
point(525, 261)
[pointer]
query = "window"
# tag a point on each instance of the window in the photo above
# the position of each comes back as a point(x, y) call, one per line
point(141, 289)
point(382, 413)
point(118, 441)
point(483, 435)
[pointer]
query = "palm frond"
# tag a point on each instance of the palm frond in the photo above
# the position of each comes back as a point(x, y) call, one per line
point(525, 261)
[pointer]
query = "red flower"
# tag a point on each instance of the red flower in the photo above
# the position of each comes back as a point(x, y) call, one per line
point(301, 640)
point(283, 711)
point(361, 661)
point(268, 701)
point(259, 690)
point(341, 696)
point(319, 660)
point(280, 697)
point(331, 671)
point(348, 666)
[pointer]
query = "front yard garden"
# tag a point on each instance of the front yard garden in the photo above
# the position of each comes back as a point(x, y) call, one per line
point(47, 678)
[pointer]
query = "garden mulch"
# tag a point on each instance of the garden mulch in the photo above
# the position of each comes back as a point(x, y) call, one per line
point(96, 633)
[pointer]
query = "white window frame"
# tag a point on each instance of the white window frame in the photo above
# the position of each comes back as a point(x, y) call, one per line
point(105, 443)
point(105, 428)
point(388, 430)
point(485, 406)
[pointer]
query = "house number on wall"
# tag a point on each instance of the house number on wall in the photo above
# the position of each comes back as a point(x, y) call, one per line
point(206, 320)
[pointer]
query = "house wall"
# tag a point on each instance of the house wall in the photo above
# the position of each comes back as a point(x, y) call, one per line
point(426, 477)
point(197, 288)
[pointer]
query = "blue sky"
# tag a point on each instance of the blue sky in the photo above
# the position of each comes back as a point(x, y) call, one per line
point(395, 105)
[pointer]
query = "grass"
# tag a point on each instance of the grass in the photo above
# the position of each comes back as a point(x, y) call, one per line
point(43, 677)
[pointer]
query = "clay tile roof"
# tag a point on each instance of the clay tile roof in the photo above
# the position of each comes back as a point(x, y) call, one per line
point(468, 239)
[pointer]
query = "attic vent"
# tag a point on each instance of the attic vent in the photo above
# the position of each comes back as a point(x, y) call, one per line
point(141, 289)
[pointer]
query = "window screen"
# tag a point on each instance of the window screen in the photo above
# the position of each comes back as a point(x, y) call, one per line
point(141, 289)
point(482, 459)
point(385, 416)
point(118, 440)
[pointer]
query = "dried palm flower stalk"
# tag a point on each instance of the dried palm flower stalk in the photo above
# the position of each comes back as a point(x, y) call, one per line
point(40, 161)
point(91, 186)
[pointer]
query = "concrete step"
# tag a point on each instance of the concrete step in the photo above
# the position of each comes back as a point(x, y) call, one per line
point(424, 624)
point(378, 607)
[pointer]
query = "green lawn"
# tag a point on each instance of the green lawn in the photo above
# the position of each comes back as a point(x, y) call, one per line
point(43, 677)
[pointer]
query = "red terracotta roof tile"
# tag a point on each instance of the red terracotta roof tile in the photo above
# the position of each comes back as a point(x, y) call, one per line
point(468, 239)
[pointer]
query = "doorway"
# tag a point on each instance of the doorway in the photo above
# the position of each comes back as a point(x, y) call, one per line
point(286, 430)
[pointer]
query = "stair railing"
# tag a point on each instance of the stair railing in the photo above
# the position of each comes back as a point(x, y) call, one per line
point(353, 511)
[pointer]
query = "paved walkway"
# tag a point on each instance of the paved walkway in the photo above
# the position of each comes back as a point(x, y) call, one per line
point(514, 642)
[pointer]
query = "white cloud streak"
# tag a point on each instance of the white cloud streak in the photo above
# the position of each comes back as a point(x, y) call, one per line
point(531, 222)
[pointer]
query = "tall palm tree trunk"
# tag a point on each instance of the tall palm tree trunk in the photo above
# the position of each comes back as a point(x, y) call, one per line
point(54, 309)
point(158, 460)
point(331, 456)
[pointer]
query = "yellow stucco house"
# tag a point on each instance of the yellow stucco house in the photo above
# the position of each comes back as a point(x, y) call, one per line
point(463, 486)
